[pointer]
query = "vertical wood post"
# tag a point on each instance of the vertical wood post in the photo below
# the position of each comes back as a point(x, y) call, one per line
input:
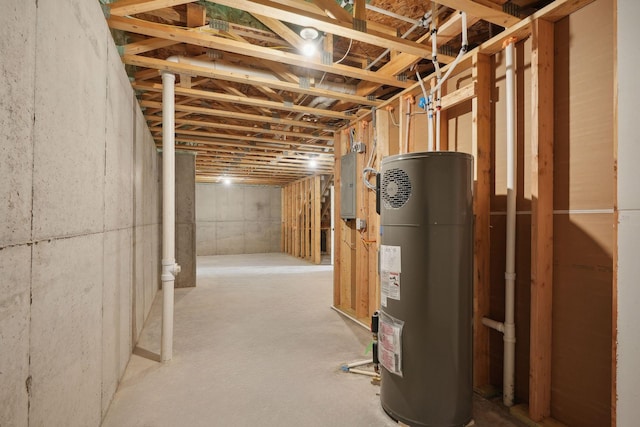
point(482, 144)
point(361, 258)
point(337, 231)
point(317, 220)
point(541, 219)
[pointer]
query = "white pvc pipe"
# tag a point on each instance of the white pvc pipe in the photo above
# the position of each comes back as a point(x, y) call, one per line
point(169, 266)
point(493, 324)
point(436, 90)
point(407, 123)
point(510, 274)
point(359, 363)
point(430, 123)
point(434, 60)
point(508, 328)
point(439, 94)
point(361, 372)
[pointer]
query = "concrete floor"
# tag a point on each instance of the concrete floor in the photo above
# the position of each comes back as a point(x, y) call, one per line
point(256, 344)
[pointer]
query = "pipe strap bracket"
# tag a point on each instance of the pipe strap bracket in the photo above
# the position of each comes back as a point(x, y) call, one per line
point(510, 276)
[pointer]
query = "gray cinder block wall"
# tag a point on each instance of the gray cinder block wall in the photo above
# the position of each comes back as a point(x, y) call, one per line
point(79, 214)
point(237, 219)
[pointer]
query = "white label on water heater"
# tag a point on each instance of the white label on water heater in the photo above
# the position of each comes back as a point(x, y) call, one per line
point(390, 258)
point(390, 267)
point(390, 343)
point(389, 286)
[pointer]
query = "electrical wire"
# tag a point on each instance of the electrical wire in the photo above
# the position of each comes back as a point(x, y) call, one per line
point(345, 54)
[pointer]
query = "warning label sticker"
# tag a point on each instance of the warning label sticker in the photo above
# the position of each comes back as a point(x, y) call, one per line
point(390, 343)
point(390, 268)
point(389, 286)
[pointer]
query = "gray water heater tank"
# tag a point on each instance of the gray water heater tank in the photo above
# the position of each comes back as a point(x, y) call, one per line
point(426, 277)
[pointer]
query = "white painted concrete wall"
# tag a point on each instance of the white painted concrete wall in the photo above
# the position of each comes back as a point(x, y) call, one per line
point(237, 219)
point(79, 216)
point(628, 353)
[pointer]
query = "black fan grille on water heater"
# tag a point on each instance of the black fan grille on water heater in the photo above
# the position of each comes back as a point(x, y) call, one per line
point(396, 188)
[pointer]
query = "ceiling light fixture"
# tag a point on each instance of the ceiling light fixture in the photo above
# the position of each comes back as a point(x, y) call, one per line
point(313, 163)
point(227, 181)
point(310, 36)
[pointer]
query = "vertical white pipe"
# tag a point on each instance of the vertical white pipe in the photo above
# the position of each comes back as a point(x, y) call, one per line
point(439, 94)
point(510, 274)
point(407, 124)
point(430, 123)
point(168, 213)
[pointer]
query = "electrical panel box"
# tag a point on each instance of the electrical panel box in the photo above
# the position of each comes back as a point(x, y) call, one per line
point(348, 186)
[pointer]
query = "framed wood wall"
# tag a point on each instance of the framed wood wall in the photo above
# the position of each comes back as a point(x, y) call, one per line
point(301, 208)
point(554, 210)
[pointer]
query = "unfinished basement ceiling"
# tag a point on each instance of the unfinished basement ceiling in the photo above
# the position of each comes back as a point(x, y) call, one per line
point(248, 101)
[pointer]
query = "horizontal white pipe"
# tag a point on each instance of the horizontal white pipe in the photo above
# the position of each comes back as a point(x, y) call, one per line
point(361, 372)
point(493, 324)
point(359, 363)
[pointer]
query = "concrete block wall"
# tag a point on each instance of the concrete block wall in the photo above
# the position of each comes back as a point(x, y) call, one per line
point(237, 219)
point(79, 217)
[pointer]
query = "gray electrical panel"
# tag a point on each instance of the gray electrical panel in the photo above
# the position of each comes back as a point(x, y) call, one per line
point(348, 186)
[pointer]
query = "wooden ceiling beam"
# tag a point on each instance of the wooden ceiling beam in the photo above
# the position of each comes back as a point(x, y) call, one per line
point(207, 124)
point(282, 30)
point(206, 153)
point(233, 115)
point(131, 7)
point(201, 38)
point(168, 14)
point(212, 153)
point(263, 166)
point(211, 156)
point(293, 147)
point(244, 138)
point(147, 45)
point(295, 14)
point(260, 103)
point(493, 14)
point(208, 150)
point(178, 68)
point(255, 167)
point(253, 172)
point(333, 9)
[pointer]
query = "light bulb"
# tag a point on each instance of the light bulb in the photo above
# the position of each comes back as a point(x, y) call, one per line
point(309, 48)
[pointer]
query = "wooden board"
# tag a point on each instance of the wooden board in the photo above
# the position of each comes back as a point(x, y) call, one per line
point(482, 147)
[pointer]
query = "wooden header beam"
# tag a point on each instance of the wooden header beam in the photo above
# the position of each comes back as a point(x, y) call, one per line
point(181, 68)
